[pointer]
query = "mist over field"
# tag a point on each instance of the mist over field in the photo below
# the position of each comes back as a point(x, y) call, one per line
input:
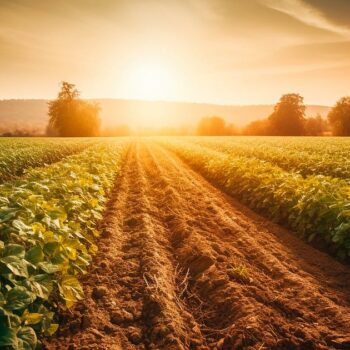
point(114, 112)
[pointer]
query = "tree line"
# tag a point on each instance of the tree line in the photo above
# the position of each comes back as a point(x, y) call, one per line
point(69, 115)
point(288, 119)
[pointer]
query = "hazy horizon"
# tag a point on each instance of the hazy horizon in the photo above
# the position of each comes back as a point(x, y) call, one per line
point(164, 101)
point(216, 52)
point(138, 113)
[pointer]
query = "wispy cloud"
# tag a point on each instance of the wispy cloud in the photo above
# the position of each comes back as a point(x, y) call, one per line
point(307, 14)
point(221, 51)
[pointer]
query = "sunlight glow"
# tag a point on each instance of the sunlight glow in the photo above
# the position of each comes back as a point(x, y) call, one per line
point(150, 81)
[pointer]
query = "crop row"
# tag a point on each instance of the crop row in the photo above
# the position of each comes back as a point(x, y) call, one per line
point(18, 155)
point(288, 155)
point(317, 207)
point(48, 221)
point(313, 145)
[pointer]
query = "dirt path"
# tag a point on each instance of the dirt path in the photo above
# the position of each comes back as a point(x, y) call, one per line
point(183, 266)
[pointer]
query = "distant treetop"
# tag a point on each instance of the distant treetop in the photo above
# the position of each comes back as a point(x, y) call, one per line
point(71, 116)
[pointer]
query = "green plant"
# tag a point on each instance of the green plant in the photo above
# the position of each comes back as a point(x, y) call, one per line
point(48, 221)
point(18, 155)
point(317, 207)
point(240, 272)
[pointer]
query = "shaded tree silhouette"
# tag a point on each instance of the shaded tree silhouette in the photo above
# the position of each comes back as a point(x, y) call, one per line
point(288, 117)
point(339, 117)
point(214, 126)
point(258, 128)
point(71, 116)
point(315, 126)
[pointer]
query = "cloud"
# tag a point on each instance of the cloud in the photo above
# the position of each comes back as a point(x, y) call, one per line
point(335, 10)
point(303, 56)
point(307, 13)
point(220, 49)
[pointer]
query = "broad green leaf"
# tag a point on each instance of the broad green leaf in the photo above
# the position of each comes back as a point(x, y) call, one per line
point(48, 267)
point(31, 318)
point(20, 225)
point(9, 319)
point(35, 255)
point(8, 337)
point(70, 290)
point(13, 264)
point(27, 339)
point(14, 249)
point(41, 285)
point(52, 248)
point(8, 215)
point(18, 298)
point(4, 201)
point(51, 329)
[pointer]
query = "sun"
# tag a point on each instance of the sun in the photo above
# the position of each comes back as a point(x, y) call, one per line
point(151, 81)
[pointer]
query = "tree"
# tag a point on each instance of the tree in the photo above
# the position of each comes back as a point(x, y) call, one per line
point(71, 116)
point(339, 117)
point(214, 126)
point(258, 128)
point(315, 126)
point(288, 117)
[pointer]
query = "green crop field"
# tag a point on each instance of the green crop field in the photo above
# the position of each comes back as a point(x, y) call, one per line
point(17, 155)
point(48, 227)
point(303, 183)
point(54, 194)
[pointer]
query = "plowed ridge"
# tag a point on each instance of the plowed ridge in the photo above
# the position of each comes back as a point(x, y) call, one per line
point(183, 266)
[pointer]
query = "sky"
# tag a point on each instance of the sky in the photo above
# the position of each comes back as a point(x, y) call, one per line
point(215, 51)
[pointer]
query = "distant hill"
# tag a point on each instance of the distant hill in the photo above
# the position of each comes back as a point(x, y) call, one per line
point(33, 113)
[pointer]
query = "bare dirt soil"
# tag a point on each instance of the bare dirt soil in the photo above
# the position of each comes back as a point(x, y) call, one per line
point(183, 266)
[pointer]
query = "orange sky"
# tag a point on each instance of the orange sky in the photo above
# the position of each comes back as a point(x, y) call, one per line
point(219, 51)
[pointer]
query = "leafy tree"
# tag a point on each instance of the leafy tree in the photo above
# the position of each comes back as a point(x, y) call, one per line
point(71, 116)
point(258, 128)
point(288, 117)
point(214, 126)
point(315, 126)
point(339, 117)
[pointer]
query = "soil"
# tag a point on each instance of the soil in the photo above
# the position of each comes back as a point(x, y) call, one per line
point(183, 266)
